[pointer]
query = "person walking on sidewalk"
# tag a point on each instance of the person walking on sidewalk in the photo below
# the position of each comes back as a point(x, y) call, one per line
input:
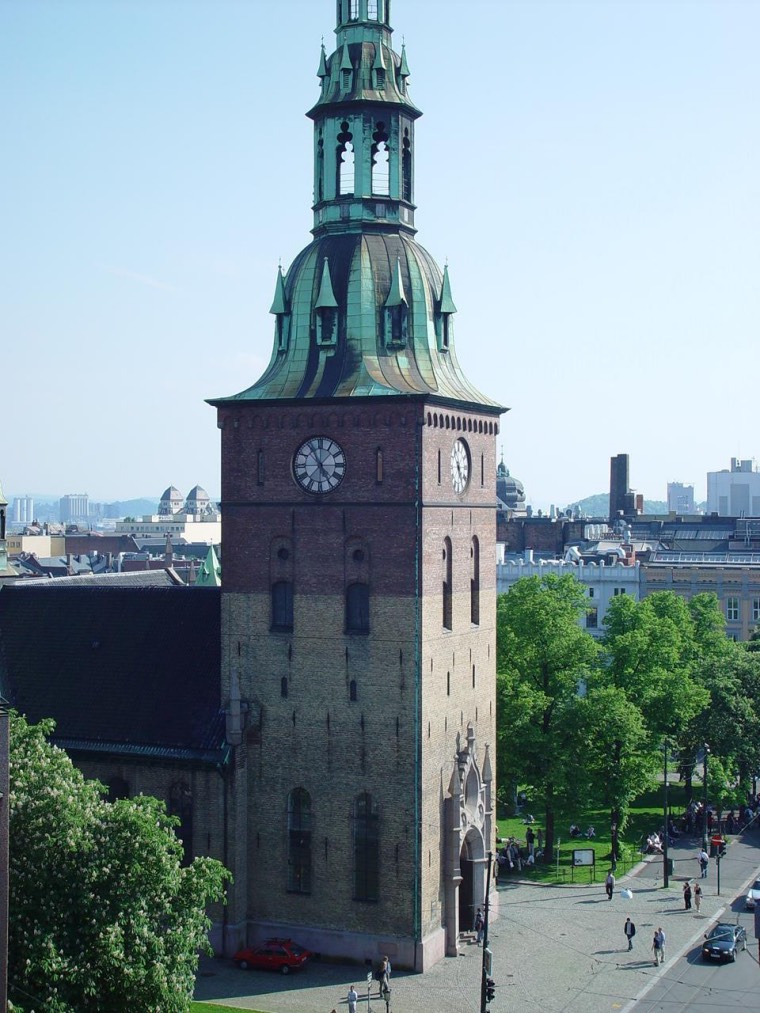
point(658, 946)
point(609, 885)
point(630, 931)
point(353, 998)
point(697, 896)
point(687, 896)
point(704, 861)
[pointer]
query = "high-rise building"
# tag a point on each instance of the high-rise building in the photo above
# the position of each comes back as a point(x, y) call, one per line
point(23, 510)
point(359, 595)
point(680, 498)
point(74, 508)
point(734, 492)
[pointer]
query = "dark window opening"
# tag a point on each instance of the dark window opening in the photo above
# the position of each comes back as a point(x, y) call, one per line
point(366, 849)
point(181, 806)
point(284, 686)
point(299, 841)
point(117, 788)
point(327, 319)
point(592, 619)
point(475, 583)
point(357, 608)
point(352, 691)
point(379, 466)
point(282, 605)
point(406, 168)
point(397, 324)
point(447, 586)
point(320, 170)
point(260, 467)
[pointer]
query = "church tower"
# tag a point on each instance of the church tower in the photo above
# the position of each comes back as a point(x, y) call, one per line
point(359, 593)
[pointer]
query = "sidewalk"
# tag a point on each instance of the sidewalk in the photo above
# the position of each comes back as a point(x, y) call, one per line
point(556, 949)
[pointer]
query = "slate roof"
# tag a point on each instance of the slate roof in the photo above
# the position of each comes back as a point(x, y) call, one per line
point(165, 577)
point(128, 671)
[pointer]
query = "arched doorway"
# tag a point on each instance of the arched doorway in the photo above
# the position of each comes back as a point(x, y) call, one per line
point(466, 907)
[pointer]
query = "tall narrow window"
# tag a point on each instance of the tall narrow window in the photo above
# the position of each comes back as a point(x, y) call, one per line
point(353, 10)
point(372, 10)
point(378, 466)
point(260, 467)
point(345, 162)
point(357, 608)
point(439, 467)
point(447, 589)
point(320, 170)
point(181, 806)
point(299, 841)
point(380, 162)
point(406, 168)
point(732, 609)
point(282, 605)
point(475, 582)
point(366, 849)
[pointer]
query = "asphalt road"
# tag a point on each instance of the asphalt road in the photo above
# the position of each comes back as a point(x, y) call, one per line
point(693, 985)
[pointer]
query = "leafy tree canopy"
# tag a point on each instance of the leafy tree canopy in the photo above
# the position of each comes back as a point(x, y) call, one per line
point(103, 916)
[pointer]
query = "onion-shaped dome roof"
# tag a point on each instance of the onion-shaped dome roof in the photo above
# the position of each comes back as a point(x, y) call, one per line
point(367, 314)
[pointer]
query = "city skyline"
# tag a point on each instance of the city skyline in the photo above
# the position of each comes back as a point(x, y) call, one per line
point(589, 170)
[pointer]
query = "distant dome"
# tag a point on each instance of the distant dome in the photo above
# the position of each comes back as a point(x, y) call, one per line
point(171, 502)
point(198, 501)
point(509, 491)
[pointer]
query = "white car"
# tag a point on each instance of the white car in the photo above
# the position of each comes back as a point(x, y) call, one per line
point(753, 896)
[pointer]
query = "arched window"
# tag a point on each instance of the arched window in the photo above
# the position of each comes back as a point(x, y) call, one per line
point(406, 168)
point(181, 806)
point(380, 162)
point(366, 849)
point(345, 162)
point(299, 841)
point(447, 588)
point(282, 605)
point(357, 608)
point(475, 582)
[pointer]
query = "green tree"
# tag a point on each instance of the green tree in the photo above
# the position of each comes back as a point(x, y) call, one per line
point(103, 916)
point(612, 752)
point(543, 657)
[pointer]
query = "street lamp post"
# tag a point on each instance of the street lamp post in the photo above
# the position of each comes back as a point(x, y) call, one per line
point(485, 971)
point(665, 864)
point(704, 803)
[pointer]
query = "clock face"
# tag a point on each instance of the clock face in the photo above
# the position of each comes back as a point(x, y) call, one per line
point(460, 466)
point(319, 465)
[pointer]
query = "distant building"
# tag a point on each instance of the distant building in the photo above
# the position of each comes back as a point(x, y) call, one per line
point(74, 508)
point(734, 493)
point(192, 519)
point(624, 501)
point(23, 510)
point(510, 492)
point(680, 498)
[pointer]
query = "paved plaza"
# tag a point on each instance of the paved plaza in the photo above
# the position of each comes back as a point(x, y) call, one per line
point(557, 949)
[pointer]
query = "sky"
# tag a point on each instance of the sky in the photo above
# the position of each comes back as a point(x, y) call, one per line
point(590, 169)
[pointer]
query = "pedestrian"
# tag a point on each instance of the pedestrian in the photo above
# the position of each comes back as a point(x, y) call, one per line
point(630, 931)
point(687, 895)
point(353, 998)
point(704, 861)
point(479, 926)
point(659, 946)
point(697, 896)
point(609, 885)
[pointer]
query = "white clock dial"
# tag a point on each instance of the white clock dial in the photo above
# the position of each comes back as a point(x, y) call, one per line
point(460, 466)
point(319, 465)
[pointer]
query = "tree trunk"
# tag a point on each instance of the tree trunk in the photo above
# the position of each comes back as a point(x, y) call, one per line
point(615, 837)
point(549, 840)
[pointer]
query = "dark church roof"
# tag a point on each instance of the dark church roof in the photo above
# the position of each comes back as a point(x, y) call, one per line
point(129, 671)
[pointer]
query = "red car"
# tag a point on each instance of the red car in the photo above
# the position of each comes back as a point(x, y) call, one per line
point(281, 955)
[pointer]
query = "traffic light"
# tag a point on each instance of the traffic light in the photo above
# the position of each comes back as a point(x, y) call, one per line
point(490, 989)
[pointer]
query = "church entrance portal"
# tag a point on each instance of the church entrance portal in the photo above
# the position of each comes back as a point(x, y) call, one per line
point(466, 898)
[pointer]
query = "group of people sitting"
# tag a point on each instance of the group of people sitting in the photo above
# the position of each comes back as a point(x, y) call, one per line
point(513, 855)
point(575, 831)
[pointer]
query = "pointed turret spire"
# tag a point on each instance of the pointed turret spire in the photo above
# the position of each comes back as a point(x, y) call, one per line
point(326, 298)
point(323, 71)
point(280, 302)
point(447, 303)
point(404, 68)
point(396, 296)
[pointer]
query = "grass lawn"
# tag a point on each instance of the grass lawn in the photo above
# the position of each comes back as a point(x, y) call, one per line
point(210, 1007)
point(646, 815)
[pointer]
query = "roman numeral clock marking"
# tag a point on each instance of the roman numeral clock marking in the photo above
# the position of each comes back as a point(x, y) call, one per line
point(319, 465)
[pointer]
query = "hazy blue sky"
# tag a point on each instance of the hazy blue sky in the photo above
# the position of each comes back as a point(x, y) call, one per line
point(591, 170)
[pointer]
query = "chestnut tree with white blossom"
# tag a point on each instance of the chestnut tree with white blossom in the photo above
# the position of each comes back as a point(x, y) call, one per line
point(104, 917)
